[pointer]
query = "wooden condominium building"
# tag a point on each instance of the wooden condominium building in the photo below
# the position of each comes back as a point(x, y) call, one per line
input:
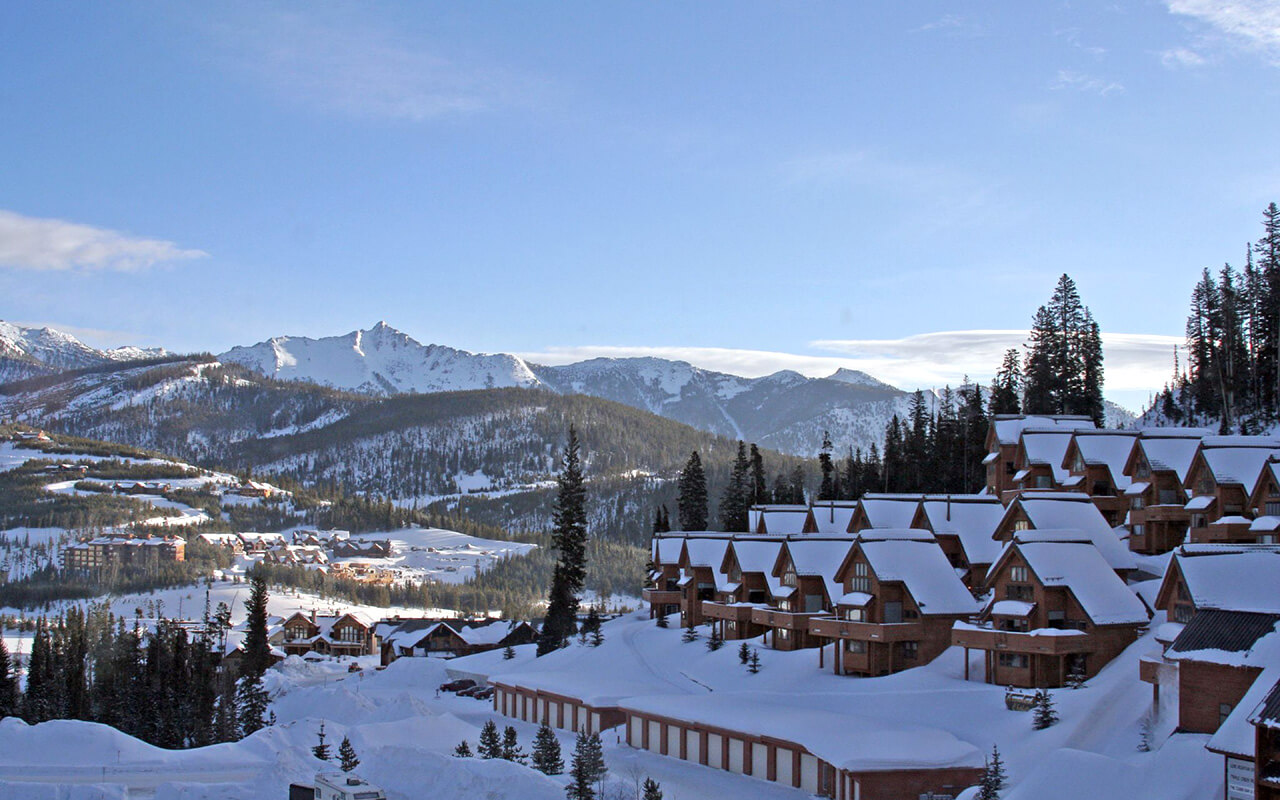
point(1066, 511)
point(436, 638)
point(1158, 467)
point(1095, 461)
point(1003, 438)
point(701, 559)
point(963, 525)
point(900, 598)
point(1057, 609)
point(780, 520)
point(885, 511)
point(123, 550)
point(347, 634)
point(662, 592)
point(1221, 479)
point(749, 584)
point(805, 569)
point(834, 516)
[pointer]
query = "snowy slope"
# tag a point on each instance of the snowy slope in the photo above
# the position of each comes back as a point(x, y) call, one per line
point(381, 361)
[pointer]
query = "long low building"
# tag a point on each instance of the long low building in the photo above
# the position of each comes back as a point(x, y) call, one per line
point(556, 709)
point(820, 752)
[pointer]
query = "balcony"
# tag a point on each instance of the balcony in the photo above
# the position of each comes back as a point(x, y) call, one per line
point(1149, 669)
point(662, 596)
point(732, 612)
point(1043, 641)
point(788, 620)
point(1150, 514)
point(834, 628)
point(1219, 532)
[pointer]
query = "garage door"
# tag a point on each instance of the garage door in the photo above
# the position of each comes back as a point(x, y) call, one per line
point(808, 773)
point(760, 761)
point(655, 736)
point(783, 758)
point(693, 747)
point(736, 755)
point(673, 740)
point(595, 723)
point(714, 758)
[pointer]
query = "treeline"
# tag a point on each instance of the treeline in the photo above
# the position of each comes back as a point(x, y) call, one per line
point(1231, 374)
point(160, 684)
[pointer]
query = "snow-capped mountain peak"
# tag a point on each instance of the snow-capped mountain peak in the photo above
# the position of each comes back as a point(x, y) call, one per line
point(857, 378)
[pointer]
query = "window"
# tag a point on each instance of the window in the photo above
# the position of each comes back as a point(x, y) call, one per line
point(910, 651)
point(1266, 538)
point(1199, 520)
point(1273, 508)
point(1172, 497)
point(1136, 502)
point(783, 634)
point(892, 613)
point(1182, 613)
point(854, 646)
point(1015, 624)
point(860, 569)
point(1013, 660)
point(1022, 525)
point(1057, 619)
point(860, 585)
point(1138, 530)
point(789, 576)
point(756, 596)
point(1017, 591)
point(855, 614)
point(812, 603)
point(735, 574)
point(1044, 482)
point(1102, 488)
point(1018, 574)
point(1143, 469)
point(1224, 711)
point(1078, 464)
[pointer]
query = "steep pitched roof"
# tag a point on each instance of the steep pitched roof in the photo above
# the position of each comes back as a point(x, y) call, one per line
point(1236, 465)
point(1267, 713)
point(1240, 578)
point(924, 570)
point(1110, 449)
point(1169, 451)
point(705, 552)
point(1074, 511)
point(758, 556)
point(1046, 448)
point(834, 516)
point(890, 510)
point(1087, 575)
point(1239, 638)
point(970, 518)
point(781, 520)
point(1008, 427)
point(820, 557)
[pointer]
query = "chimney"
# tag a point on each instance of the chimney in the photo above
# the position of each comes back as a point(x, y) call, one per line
point(948, 508)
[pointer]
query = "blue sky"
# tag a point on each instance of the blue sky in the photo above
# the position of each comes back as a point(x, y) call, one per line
point(748, 186)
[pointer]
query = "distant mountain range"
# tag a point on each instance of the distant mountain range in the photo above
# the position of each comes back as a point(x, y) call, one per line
point(785, 411)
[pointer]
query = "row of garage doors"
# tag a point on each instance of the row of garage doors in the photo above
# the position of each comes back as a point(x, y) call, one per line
point(743, 756)
point(530, 707)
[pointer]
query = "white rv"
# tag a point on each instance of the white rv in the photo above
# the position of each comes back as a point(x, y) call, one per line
point(345, 786)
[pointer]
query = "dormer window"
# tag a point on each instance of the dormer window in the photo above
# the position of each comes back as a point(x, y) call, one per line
point(1142, 469)
point(1078, 465)
point(789, 575)
point(861, 580)
point(1022, 525)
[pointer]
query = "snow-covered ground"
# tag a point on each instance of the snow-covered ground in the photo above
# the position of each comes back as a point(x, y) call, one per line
point(436, 554)
point(404, 732)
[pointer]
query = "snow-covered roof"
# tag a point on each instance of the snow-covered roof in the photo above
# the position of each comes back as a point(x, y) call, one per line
point(1009, 428)
point(705, 552)
point(1265, 524)
point(1012, 608)
point(1238, 579)
point(890, 511)
point(855, 599)
point(1047, 449)
point(1136, 489)
point(1094, 583)
point(970, 518)
point(1110, 449)
point(1075, 511)
point(896, 534)
point(1232, 638)
point(875, 746)
point(821, 558)
point(758, 556)
point(1236, 735)
point(666, 549)
point(924, 571)
point(834, 516)
point(781, 520)
point(1236, 465)
point(1200, 502)
point(1168, 452)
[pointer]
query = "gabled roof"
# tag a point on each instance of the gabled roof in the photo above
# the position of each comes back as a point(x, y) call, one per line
point(834, 516)
point(1267, 713)
point(1082, 570)
point(780, 520)
point(1239, 638)
point(757, 556)
point(704, 551)
point(818, 557)
point(1073, 511)
point(666, 548)
point(1231, 578)
point(1168, 449)
point(889, 510)
point(923, 570)
point(1104, 448)
point(1006, 428)
point(970, 518)
point(1045, 448)
point(1237, 465)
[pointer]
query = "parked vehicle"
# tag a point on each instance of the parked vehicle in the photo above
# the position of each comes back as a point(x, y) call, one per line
point(458, 685)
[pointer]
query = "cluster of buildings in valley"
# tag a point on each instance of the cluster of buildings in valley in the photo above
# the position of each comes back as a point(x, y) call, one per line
point(1049, 573)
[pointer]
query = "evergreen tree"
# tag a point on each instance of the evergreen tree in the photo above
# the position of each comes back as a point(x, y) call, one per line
point(993, 777)
point(463, 750)
point(759, 487)
point(753, 664)
point(321, 750)
point(662, 520)
point(591, 627)
point(251, 702)
point(652, 791)
point(1006, 389)
point(38, 702)
point(1045, 715)
point(257, 651)
point(690, 632)
point(662, 620)
point(795, 487)
point(8, 684)
point(546, 751)
point(827, 491)
point(691, 507)
point(744, 653)
point(511, 746)
point(508, 653)
point(716, 641)
point(570, 540)
point(1063, 369)
point(735, 498)
point(490, 744)
point(587, 767)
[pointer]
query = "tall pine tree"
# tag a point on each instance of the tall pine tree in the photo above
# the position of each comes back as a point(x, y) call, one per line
point(691, 507)
point(570, 540)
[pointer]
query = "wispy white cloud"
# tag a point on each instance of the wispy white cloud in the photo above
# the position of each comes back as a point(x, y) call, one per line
point(952, 25)
point(1072, 37)
point(56, 245)
point(1083, 82)
point(1136, 364)
point(1252, 25)
point(352, 67)
point(1181, 58)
